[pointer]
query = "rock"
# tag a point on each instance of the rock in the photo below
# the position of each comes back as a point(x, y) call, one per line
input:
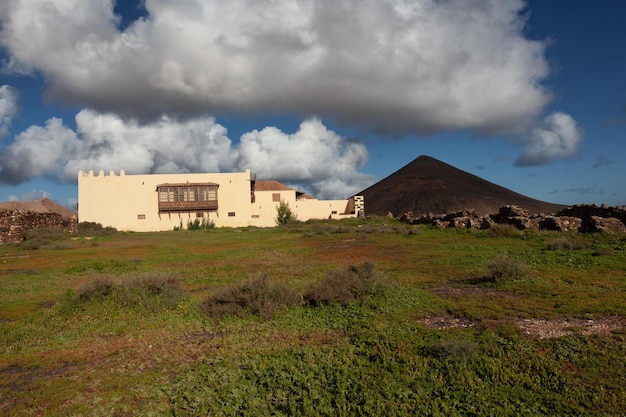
point(595, 224)
point(584, 218)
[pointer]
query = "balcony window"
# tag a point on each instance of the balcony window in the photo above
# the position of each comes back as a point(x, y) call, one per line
point(187, 197)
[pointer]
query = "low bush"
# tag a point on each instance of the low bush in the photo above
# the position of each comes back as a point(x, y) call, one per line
point(352, 285)
point(96, 287)
point(454, 349)
point(503, 230)
point(34, 244)
point(198, 224)
point(152, 290)
point(95, 228)
point(504, 269)
point(258, 296)
point(567, 242)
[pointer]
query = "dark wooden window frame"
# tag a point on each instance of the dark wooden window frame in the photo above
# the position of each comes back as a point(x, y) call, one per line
point(187, 197)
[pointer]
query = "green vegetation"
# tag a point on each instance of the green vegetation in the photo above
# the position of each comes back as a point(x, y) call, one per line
point(284, 215)
point(350, 317)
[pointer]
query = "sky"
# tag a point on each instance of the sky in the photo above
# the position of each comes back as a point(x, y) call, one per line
point(327, 97)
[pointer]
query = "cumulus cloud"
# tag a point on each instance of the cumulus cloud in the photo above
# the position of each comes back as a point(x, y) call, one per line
point(557, 138)
point(394, 66)
point(38, 151)
point(8, 108)
point(314, 158)
point(163, 146)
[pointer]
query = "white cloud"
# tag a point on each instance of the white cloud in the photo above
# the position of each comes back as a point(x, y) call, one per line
point(31, 195)
point(557, 139)
point(398, 66)
point(163, 146)
point(314, 158)
point(8, 108)
point(38, 151)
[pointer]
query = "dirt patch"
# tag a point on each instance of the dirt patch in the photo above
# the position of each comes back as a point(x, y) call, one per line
point(450, 291)
point(445, 322)
point(546, 329)
point(539, 328)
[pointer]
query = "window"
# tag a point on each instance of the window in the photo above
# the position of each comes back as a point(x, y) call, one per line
point(231, 214)
point(187, 197)
point(276, 197)
point(141, 216)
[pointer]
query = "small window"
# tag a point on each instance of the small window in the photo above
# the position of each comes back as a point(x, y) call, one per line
point(276, 197)
point(334, 212)
point(256, 216)
point(231, 214)
point(199, 214)
point(141, 216)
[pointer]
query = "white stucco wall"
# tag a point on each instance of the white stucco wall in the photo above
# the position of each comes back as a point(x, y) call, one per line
point(120, 200)
point(130, 202)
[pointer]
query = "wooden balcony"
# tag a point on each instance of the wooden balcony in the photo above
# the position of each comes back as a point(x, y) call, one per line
point(178, 206)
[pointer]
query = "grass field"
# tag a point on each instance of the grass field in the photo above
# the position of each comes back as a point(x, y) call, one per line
point(336, 318)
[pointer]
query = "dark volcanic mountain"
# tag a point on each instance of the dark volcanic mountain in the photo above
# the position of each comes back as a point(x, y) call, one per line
point(428, 185)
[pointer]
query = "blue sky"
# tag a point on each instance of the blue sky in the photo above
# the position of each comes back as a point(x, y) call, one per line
point(327, 97)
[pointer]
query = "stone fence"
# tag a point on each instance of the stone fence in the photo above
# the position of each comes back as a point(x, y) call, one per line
point(13, 223)
point(582, 218)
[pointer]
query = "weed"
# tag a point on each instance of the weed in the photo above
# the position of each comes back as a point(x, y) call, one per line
point(258, 296)
point(352, 285)
point(505, 269)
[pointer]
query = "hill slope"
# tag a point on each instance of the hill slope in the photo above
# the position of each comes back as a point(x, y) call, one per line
point(428, 185)
point(43, 205)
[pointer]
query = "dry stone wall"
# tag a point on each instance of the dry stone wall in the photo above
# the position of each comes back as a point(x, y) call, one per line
point(13, 223)
point(583, 218)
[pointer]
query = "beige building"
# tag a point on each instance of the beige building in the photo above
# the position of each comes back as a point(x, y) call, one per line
point(160, 202)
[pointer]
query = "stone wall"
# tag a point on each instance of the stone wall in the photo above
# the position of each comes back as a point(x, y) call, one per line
point(13, 223)
point(583, 218)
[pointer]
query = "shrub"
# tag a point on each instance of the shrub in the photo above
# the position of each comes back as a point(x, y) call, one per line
point(200, 225)
point(33, 244)
point(95, 228)
point(503, 230)
point(97, 287)
point(352, 285)
point(567, 242)
point(284, 215)
point(454, 349)
point(153, 290)
point(256, 296)
point(503, 269)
